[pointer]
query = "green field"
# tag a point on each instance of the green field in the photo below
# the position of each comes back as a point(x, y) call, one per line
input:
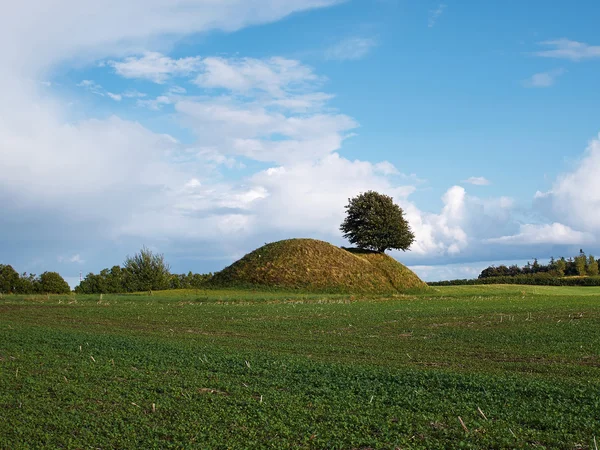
point(519, 366)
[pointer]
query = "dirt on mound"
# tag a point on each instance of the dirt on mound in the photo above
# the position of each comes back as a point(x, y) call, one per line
point(317, 266)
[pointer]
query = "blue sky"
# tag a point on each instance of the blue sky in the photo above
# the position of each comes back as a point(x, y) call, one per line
point(205, 129)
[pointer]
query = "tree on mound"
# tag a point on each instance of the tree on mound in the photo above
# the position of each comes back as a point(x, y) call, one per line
point(374, 222)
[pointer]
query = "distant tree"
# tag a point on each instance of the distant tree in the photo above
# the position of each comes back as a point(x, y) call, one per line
point(53, 283)
point(580, 263)
point(146, 271)
point(9, 279)
point(592, 266)
point(28, 284)
point(571, 269)
point(561, 267)
point(514, 270)
point(374, 222)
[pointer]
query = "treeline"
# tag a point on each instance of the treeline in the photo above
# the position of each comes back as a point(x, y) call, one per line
point(47, 283)
point(539, 279)
point(145, 271)
point(581, 270)
point(581, 265)
point(120, 280)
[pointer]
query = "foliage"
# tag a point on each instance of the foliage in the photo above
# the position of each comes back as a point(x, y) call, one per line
point(374, 222)
point(578, 266)
point(592, 266)
point(539, 279)
point(53, 283)
point(9, 279)
point(227, 369)
point(117, 280)
point(146, 271)
point(48, 283)
point(317, 266)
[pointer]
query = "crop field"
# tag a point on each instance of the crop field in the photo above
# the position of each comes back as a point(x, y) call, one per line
point(452, 367)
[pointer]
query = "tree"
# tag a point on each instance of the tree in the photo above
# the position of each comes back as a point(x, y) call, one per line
point(592, 266)
point(374, 222)
point(27, 284)
point(53, 283)
point(9, 279)
point(580, 263)
point(146, 271)
point(561, 267)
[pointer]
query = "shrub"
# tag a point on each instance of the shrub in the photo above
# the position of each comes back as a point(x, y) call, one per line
point(146, 271)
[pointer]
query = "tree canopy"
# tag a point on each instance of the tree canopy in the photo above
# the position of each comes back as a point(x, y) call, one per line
point(374, 222)
point(146, 271)
point(53, 283)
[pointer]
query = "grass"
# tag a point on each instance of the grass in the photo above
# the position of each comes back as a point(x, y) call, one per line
point(518, 365)
point(310, 265)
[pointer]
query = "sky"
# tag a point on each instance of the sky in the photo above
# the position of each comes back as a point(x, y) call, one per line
point(203, 129)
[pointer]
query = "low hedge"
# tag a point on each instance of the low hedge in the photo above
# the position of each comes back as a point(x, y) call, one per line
point(540, 279)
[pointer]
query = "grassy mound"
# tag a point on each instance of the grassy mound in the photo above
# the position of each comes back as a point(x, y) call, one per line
point(317, 266)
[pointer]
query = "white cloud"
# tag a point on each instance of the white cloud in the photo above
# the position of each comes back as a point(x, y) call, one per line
point(253, 131)
point(275, 76)
point(458, 270)
point(302, 102)
point(107, 28)
point(350, 49)
point(97, 89)
point(132, 93)
point(568, 49)
point(575, 195)
point(91, 86)
point(477, 181)
point(75, 259)
point(155, 67)
point(156, 103)
point(435, 14)
point(448, 271)
point(177, 90)
point(555, 233)
point(544, 79)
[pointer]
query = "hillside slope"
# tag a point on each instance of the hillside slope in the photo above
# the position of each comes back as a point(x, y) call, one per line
point(317, 266)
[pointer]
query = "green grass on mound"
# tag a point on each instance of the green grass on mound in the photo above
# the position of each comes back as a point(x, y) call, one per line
point(317, 266)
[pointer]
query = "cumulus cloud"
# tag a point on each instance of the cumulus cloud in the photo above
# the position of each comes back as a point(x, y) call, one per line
point(448, 271)
point(555, 233)
point(575, 195)
point(351, 48)
point(255, 131)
